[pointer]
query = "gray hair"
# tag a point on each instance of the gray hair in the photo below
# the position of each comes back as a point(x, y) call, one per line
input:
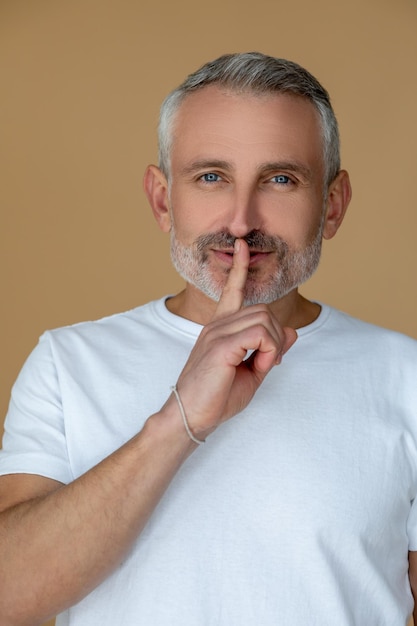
point(257, 73)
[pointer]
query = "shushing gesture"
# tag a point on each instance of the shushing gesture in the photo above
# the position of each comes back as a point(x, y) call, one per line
point(218, 380)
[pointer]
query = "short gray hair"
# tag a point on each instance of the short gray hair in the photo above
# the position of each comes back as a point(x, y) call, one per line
point(257, 73)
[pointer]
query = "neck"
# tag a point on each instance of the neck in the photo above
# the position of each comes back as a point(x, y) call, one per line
point(293, 310)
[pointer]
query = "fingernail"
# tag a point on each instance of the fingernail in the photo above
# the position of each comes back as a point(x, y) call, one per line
point(278, 359)
point(237, 245)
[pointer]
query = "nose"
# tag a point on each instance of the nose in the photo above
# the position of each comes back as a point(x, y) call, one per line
point(244, 214)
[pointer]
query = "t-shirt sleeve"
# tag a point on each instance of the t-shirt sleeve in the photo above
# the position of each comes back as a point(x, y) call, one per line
point(34, 440)
point(412, 527)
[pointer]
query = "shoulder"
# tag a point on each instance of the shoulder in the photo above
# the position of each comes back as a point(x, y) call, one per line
point(343, 322)
point(104, 338)
point(114, 325)
point(355, 336)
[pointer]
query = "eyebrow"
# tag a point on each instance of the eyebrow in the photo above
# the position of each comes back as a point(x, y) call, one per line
point(203, 164)
point(268, 166)
point(289, 166)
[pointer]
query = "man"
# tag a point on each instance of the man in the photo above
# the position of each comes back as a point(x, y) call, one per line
point(299, 507)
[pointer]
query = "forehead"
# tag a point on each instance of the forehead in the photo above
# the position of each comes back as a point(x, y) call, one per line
point(214, 122)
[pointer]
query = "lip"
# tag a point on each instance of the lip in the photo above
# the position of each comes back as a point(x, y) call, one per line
point(226, 256)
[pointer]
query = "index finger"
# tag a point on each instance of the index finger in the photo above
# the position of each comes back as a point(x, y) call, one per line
point(233, 293)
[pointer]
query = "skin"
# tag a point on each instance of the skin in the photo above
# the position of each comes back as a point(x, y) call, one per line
point(57, 542)
point(215, 135)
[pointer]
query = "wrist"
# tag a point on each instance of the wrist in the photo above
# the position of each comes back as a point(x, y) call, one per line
point(188, 430)
point(167, 427)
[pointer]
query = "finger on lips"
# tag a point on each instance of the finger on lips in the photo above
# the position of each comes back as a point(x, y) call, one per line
point(231, 303)
point(233, 293)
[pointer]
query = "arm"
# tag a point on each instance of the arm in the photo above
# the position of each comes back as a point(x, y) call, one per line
point(63, 541)
point(58, 542)
point(412, 573)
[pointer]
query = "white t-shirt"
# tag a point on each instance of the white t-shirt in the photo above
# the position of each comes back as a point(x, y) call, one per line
point(297, 511)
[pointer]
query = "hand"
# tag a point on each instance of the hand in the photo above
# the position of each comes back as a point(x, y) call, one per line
point(218, 381)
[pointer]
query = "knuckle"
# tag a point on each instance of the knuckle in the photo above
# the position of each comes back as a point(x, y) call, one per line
point(265, 316)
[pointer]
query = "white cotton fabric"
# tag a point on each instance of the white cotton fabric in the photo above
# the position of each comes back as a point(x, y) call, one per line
point(297, 511)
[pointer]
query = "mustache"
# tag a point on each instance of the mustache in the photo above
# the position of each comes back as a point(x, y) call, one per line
point(256, 240)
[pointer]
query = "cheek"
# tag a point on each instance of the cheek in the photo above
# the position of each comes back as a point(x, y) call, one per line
point(192, 220)
point(297, 229)
point(305, 220)
point(187, 228)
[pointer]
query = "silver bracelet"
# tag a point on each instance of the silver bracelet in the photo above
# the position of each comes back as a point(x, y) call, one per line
point(184, 418)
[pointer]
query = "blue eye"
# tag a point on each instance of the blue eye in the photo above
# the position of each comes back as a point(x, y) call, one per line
point(281, 179)
point(210, 177)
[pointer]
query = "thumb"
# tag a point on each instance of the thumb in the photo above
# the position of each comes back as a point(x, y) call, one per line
point(290, 337)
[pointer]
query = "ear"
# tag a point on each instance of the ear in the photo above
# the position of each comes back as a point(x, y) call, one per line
point(155, 186)
point(338, 198)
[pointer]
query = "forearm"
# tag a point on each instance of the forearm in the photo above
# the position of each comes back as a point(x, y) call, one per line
point(55, 549)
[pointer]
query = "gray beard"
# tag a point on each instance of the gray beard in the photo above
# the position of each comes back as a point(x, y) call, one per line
point(294, 267)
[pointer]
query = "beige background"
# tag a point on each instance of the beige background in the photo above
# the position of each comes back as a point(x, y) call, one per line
point(82, 81)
